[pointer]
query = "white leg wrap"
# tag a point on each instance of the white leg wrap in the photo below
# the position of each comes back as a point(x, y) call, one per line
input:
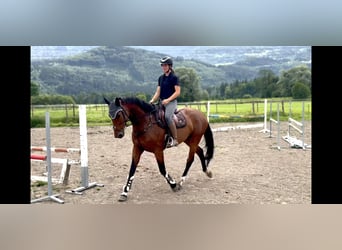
point(182, 180)
point(128, 185)
point(169, 179)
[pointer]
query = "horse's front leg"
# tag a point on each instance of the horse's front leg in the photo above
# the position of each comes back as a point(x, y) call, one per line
point(135, 160)
point(160, 160)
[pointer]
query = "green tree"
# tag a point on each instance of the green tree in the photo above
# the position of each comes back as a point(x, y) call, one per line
point(51, 100)
point(205, 95)
point(265, 84)
point(190, 85)
point(141, 96)
point(300, 91)
point(34, 89)
point(292, 76)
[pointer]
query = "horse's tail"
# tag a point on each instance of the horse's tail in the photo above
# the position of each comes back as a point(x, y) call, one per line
point(209, 143)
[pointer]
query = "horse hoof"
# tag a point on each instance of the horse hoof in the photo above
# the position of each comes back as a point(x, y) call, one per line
point(209, 174)
point(177, 187)
point(122, 198)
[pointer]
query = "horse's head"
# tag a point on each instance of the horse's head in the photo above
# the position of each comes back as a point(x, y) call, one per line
point(118, 116)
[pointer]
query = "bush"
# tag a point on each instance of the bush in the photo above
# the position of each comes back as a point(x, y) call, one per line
point(300, 91)
point(247, 96)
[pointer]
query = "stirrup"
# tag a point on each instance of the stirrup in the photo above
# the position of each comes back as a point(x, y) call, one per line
point(171, 142)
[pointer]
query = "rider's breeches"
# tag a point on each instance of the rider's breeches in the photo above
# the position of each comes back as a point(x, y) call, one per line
point(170, 109)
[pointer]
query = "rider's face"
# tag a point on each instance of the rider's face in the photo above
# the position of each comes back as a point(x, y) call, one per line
point(165, 67)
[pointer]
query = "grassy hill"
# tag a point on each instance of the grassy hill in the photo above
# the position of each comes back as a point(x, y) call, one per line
point(123, 69)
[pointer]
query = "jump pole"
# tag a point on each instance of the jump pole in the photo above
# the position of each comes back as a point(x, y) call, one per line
point(64, 176)
point(50, 195)
point(84, 154)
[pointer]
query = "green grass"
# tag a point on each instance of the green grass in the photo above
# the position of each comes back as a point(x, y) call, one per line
point(220, 111)
point(243, 111)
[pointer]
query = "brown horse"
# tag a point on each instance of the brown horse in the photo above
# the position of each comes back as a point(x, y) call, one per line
point(149, 134)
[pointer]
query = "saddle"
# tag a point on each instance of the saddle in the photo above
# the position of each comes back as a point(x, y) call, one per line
point(178, 117)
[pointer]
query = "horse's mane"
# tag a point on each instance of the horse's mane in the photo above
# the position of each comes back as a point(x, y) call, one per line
point(142, 104)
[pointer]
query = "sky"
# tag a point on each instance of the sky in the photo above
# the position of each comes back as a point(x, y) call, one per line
point(135, 22)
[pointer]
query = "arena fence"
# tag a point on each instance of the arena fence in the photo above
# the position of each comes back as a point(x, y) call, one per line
point(216, 111)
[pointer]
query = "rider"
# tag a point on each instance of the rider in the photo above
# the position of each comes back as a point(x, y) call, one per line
point(168, 90)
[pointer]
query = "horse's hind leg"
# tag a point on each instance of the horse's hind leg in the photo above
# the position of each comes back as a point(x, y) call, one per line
point(189, 162)
point(200, 154)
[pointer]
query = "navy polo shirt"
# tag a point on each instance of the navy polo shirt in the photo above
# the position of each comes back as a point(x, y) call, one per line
point(167, 85)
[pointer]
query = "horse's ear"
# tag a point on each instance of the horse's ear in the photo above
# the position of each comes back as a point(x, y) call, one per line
point(118, 101)
point(106, 101)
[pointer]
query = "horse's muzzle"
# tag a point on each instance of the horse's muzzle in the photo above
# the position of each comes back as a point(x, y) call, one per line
point(119, 134)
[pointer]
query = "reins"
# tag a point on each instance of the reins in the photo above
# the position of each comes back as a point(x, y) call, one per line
point(149, 125)
point(126, 117)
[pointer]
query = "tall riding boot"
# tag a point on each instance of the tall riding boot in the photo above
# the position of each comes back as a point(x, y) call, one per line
point(173, 129)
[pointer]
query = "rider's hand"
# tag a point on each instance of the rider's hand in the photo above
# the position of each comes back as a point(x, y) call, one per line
point(165, 101)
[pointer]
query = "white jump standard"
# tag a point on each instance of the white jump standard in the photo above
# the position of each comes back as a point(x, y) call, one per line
point(50, 195)
point(277, 122)
point(265, 130)
point(84, 155)
point(299, 127)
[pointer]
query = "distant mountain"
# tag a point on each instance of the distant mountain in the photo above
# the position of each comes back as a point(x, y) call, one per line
point(56, 52)
point(72, 70)
point(216, 55)
point(223, 55)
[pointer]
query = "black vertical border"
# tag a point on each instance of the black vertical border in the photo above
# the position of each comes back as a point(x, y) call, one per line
point(15, 72)
point(326, 103)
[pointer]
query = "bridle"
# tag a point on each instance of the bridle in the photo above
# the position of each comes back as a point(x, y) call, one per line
point(114, 113)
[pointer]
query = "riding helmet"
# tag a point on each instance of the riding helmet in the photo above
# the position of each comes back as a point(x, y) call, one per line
point(166, 60)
